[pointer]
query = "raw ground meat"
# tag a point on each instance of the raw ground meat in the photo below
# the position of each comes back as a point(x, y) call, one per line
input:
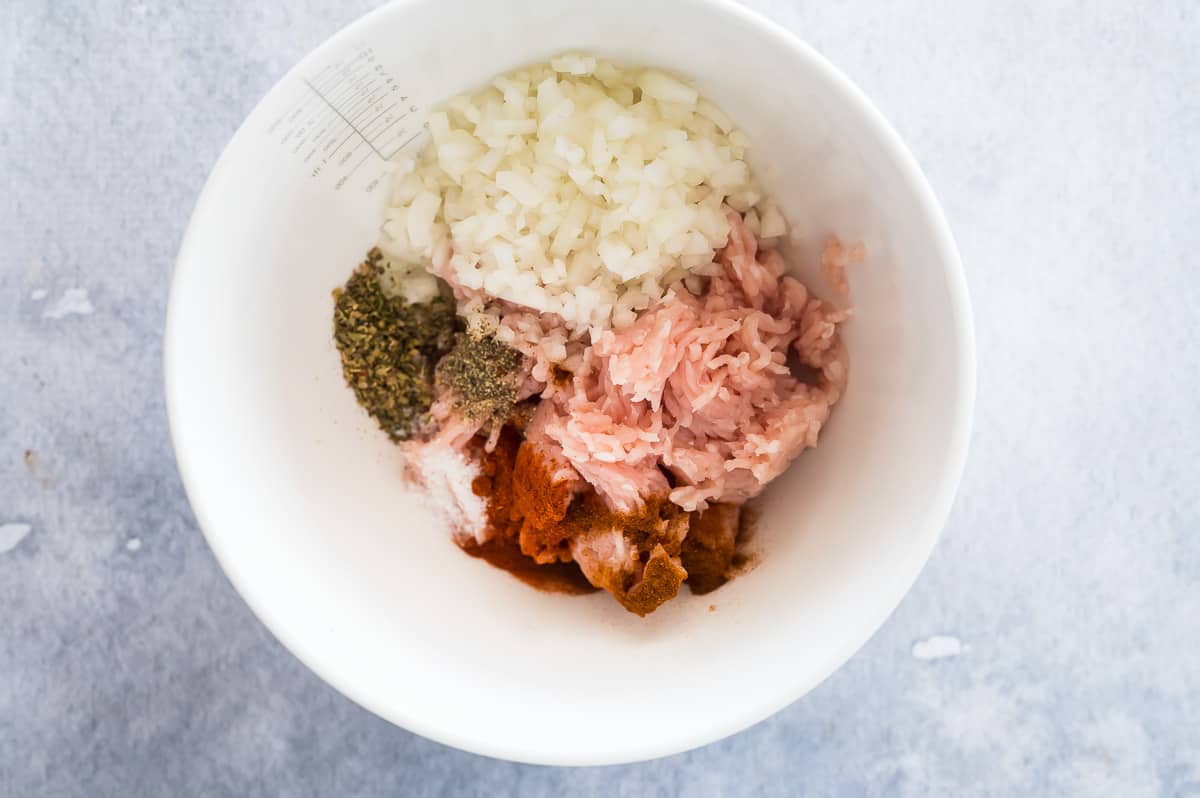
point(700, 387)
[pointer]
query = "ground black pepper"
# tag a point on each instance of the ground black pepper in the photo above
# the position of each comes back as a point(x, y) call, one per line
point(481, 375)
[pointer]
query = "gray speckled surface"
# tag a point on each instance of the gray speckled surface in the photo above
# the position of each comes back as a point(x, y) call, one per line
point(1064, 141)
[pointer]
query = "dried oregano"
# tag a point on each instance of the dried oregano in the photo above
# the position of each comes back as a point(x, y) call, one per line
point(389, 348)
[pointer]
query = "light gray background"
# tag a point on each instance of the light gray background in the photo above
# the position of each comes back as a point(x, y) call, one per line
point(1063, 139)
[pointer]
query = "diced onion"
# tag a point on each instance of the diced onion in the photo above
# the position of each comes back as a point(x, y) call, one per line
point(554, 189)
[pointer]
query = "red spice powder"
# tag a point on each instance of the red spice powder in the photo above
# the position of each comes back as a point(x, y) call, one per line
point(533, 519)
point(523, 503)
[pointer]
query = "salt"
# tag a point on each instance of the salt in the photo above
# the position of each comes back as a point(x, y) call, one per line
point(446, 477)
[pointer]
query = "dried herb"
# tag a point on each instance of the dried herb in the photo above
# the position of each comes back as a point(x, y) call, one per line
point(480, 373)
point(389, 348)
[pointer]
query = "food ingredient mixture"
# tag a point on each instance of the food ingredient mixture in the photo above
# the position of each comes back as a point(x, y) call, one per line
point(630, 362)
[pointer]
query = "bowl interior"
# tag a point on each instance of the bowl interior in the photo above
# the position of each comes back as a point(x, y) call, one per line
point(300, 496)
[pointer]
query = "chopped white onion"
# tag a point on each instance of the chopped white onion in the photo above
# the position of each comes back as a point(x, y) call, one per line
point(553, 189)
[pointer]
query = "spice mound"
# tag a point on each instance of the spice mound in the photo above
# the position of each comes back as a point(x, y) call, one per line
point(479, 374)
point(389, 348)
point(579, 327)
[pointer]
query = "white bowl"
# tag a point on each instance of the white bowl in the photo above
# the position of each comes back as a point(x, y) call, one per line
point(300, 495)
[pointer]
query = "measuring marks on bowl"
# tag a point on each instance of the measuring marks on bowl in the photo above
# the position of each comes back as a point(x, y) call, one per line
point(344, 122)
